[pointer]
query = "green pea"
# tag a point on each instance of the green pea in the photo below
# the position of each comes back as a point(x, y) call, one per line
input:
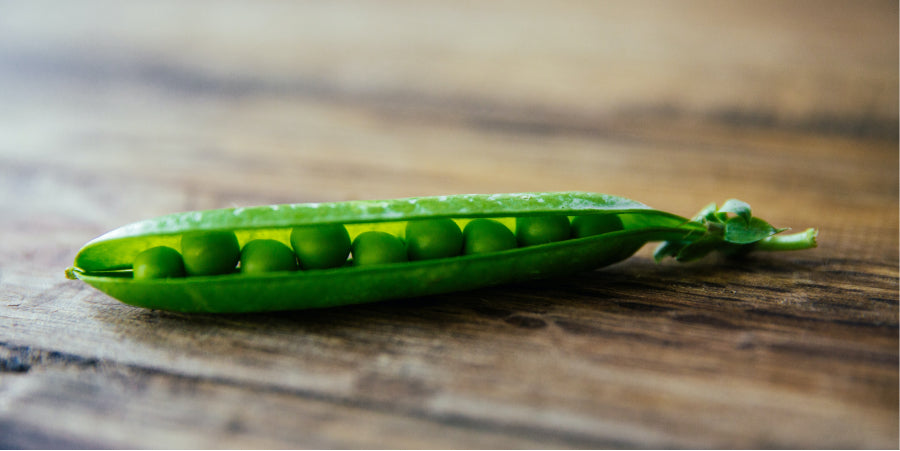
point(321, 246)
point(590, 225)
point(532, 230)
point(209, 253)
point(433, 238)
point(259, 256)
point(158, 262)
point(486, 235)
point(376, 247)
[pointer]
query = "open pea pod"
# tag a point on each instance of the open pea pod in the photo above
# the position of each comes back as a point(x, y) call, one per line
point(106, 262)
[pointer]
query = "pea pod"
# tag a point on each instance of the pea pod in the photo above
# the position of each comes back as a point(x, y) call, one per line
point(106, 262)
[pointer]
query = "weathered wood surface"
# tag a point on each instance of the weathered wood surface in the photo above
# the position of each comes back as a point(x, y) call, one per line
point(111, 113)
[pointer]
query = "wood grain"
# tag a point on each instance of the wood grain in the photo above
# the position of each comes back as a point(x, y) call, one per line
point(148, 109)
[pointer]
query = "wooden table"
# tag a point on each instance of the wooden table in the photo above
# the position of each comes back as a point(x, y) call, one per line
point(114, 112)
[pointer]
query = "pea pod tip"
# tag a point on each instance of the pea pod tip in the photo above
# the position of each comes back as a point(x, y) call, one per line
point(71, 273)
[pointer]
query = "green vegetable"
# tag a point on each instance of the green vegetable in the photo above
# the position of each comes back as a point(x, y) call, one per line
point(321, 246)
point(158, 262)
point(377, 248)
point(484, 236)
point(266, 255)
point(591, 225)
point(433, 238)
point(731, 234)
point(532, 230)
point(115, 262)
point(210, 253)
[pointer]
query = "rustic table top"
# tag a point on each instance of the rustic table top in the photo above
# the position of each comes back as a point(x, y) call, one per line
point(115, 112)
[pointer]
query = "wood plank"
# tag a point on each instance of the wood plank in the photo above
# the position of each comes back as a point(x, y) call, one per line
point(784, 55)
point(162, 410)
point(813, 336)
point(588, 363)
point(168, 107)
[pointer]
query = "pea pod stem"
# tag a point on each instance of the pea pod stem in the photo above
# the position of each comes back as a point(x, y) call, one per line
point(790, 242)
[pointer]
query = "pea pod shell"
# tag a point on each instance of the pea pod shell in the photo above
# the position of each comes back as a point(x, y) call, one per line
point(351, 285)
point(98, 261)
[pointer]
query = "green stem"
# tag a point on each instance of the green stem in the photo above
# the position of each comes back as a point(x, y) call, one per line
point(792, 242)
